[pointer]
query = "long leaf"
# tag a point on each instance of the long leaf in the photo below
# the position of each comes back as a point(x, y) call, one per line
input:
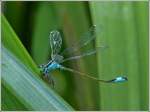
point(27, 66)
point(125, 31)
point(11, 41)
point(28, 88)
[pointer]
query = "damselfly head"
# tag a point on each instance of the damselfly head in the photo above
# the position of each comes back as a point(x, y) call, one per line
point(42, 67)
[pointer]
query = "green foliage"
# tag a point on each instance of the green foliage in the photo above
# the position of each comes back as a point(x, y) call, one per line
point(124, 29)
point(11, 42)
point(22, 85)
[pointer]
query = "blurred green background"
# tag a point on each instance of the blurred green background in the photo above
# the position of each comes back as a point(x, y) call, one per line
point(123, 27)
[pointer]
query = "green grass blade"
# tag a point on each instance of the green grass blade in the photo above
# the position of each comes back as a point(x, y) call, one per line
point(9, 101)
point(27, 68)
point(143, 42)
point(12, 42)
point(28, 88)
point(126, 54)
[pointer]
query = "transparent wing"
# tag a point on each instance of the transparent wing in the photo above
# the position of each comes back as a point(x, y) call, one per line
point(87, 38)
point(55, 42)
point(87, 53)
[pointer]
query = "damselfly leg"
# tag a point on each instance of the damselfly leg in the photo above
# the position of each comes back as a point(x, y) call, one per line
point(48, 79)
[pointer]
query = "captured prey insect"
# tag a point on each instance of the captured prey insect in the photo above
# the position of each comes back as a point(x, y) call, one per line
point(57, 59)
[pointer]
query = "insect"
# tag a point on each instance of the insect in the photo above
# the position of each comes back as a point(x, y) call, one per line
point(57, 58)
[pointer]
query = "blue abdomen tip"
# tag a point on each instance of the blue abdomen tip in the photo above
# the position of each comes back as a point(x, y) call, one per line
point(120, 79)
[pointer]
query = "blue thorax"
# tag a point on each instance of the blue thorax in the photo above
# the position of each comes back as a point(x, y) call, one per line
point(52, 65)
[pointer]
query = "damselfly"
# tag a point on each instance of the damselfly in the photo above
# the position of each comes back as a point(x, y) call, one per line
point(57, 58)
